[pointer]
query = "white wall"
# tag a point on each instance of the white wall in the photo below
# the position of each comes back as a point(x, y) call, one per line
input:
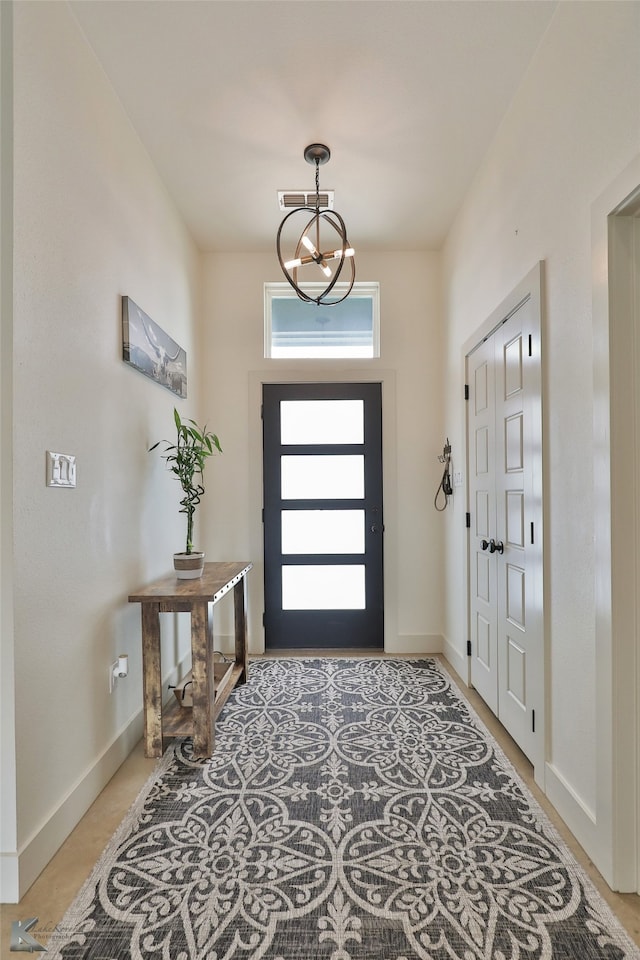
point(8, 822)
point(409, 367)
point(92, 222)
point(573, 126)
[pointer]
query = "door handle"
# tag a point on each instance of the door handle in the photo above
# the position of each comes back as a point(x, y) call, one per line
point(377, 528)
point(484, 544)
point(496, 546)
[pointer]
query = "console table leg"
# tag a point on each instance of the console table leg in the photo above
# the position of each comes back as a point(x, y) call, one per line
point(240, 618)
point(151, 680)
point(203, 679)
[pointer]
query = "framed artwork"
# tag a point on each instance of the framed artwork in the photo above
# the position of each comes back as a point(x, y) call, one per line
point(150, 350)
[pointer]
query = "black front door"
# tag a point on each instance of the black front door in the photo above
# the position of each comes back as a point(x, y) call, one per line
point(323, 522)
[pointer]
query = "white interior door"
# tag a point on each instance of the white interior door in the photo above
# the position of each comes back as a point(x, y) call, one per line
point(518, 688)
point(482, 498)
point(506, 623)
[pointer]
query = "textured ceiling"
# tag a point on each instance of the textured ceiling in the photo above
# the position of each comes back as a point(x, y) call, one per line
point(225, 95)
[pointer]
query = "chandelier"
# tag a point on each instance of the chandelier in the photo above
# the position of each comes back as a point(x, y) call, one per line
point(319, 247)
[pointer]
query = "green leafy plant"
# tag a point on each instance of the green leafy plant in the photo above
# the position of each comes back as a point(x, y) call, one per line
point(186, 458)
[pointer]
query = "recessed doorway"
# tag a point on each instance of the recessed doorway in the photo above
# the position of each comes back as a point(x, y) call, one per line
point(323, 515)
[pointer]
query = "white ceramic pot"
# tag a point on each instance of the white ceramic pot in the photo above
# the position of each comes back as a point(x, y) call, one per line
point(188, 566)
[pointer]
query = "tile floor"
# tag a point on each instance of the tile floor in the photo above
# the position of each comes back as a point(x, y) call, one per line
point(58, 884)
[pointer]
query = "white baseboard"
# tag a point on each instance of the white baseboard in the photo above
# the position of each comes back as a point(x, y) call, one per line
point(578, 817)
point(225, 643)
point(414, 643)
point(38, 850)
point(458, 660)
point(405, 643)
point(22, 869)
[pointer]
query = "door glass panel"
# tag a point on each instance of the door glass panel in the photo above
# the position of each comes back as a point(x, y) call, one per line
point(323, 531)
point(322, 477)
point(330, 587)
point(321, 421)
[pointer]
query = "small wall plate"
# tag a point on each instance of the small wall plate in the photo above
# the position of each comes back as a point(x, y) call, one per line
point(61, 470)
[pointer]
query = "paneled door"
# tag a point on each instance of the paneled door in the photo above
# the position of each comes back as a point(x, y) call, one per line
point(323, 520)
point(483, 567)
point(507, 655)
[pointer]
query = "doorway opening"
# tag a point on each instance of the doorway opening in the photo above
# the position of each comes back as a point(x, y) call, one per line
point(323, 515)
point(505, 529)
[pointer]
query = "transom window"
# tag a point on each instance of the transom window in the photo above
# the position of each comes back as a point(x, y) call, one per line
point(294, 328)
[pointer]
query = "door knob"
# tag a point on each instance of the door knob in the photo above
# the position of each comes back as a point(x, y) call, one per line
point(484, 544)
point(377, 528)
point(496, 546)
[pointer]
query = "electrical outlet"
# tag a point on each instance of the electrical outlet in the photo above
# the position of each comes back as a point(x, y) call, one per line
point(113, 676)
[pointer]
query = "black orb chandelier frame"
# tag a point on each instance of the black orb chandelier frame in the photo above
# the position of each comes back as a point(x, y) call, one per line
point(309, 243)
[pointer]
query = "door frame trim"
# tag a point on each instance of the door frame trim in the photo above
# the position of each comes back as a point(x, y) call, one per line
point(616, 372)
point(312, 374)
point(530, 288)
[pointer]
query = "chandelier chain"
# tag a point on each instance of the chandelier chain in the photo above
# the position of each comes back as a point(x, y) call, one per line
point(317, 184)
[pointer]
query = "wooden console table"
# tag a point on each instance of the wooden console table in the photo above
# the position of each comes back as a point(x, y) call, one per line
point(196, 597)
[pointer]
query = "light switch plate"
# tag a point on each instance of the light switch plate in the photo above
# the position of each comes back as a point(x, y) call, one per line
point(61, 470)
point(457, 478)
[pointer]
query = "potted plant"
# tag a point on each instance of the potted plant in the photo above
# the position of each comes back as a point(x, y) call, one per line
point(186, 458)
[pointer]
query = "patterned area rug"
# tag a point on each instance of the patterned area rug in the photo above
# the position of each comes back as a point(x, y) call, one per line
point(353, 809)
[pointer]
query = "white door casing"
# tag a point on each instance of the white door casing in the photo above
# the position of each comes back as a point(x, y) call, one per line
point(613, 840)
point(504, 431)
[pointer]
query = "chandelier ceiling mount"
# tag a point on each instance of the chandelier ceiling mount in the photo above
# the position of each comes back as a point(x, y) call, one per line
point(317, 153)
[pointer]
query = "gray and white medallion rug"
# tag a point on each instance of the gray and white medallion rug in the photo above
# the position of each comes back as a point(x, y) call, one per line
point(354, 809)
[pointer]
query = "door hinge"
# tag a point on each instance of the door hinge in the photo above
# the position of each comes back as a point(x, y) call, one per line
point(466, 391)
point(264, 619)
point(532, 537)
point(262, 411)
point(530, 346)
point(467, 521)
point(533, 721)
point(468, 648)
point(263, 514)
